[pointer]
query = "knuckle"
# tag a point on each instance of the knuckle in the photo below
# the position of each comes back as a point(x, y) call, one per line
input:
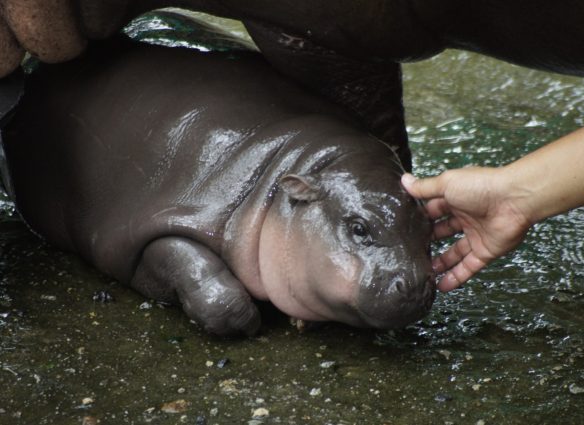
point(445, 178)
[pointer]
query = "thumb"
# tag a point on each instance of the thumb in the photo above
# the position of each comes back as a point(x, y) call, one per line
point(431, 187)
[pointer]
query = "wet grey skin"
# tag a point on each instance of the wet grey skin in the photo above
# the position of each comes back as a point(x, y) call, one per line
point(209, 180)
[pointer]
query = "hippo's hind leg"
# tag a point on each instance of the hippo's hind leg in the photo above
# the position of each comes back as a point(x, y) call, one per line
point(179, 269)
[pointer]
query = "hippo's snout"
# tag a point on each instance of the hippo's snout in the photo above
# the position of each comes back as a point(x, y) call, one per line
point(396, 303)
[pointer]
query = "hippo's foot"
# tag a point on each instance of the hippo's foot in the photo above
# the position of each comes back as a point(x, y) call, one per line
point(175, 269)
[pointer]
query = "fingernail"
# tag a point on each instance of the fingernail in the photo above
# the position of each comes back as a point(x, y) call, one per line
point(437, 265)
point(408, 179)
point(449, 282)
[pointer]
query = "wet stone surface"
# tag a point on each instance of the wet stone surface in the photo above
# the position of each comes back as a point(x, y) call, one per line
point(506, 349)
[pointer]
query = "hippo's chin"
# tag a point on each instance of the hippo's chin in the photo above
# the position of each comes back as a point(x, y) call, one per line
point(396, 322)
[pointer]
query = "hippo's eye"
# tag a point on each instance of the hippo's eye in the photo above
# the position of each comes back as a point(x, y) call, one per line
point(360, 232)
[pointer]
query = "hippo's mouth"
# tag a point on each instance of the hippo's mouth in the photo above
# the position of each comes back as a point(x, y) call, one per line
point(400, 308)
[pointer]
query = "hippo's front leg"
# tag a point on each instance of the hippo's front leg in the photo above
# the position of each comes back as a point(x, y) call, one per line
point(180, 270)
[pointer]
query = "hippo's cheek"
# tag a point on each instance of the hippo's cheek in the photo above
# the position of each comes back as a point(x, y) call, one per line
point(345, 266)
point(330, 288)
point(283, 269)
point(305, 275)
point(341, 277)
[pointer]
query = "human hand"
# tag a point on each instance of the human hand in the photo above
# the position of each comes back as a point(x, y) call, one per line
point(479, 203)
point(54, 30)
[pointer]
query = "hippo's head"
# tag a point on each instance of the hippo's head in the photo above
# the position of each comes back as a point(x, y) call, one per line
point(348, 244)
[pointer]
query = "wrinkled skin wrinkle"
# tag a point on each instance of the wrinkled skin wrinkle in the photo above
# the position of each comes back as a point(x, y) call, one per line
point(380, 206)
point(317, 286)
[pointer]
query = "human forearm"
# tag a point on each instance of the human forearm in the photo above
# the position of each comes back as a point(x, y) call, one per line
point(548, 181)
point(495, 207)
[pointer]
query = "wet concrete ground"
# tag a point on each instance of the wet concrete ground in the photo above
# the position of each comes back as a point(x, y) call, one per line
point(65, 356)
point(506, 349)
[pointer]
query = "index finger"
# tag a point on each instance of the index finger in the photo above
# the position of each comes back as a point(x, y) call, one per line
point(427, 188)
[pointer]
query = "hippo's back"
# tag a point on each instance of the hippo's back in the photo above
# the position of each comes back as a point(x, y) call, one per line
point(131, 142)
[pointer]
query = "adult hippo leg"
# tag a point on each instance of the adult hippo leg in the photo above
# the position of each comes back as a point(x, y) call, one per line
point(371, 91)
point(180, 270)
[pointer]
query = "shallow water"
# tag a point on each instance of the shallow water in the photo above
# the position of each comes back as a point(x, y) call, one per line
point(508, 348)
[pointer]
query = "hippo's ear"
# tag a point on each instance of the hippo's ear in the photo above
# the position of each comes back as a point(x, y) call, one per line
point(301, 188)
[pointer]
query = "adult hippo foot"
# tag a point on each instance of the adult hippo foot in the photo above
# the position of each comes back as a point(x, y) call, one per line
point(200, 281)
point(55, 30)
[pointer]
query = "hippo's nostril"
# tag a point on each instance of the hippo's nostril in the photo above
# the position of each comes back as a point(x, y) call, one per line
point(400, 285)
